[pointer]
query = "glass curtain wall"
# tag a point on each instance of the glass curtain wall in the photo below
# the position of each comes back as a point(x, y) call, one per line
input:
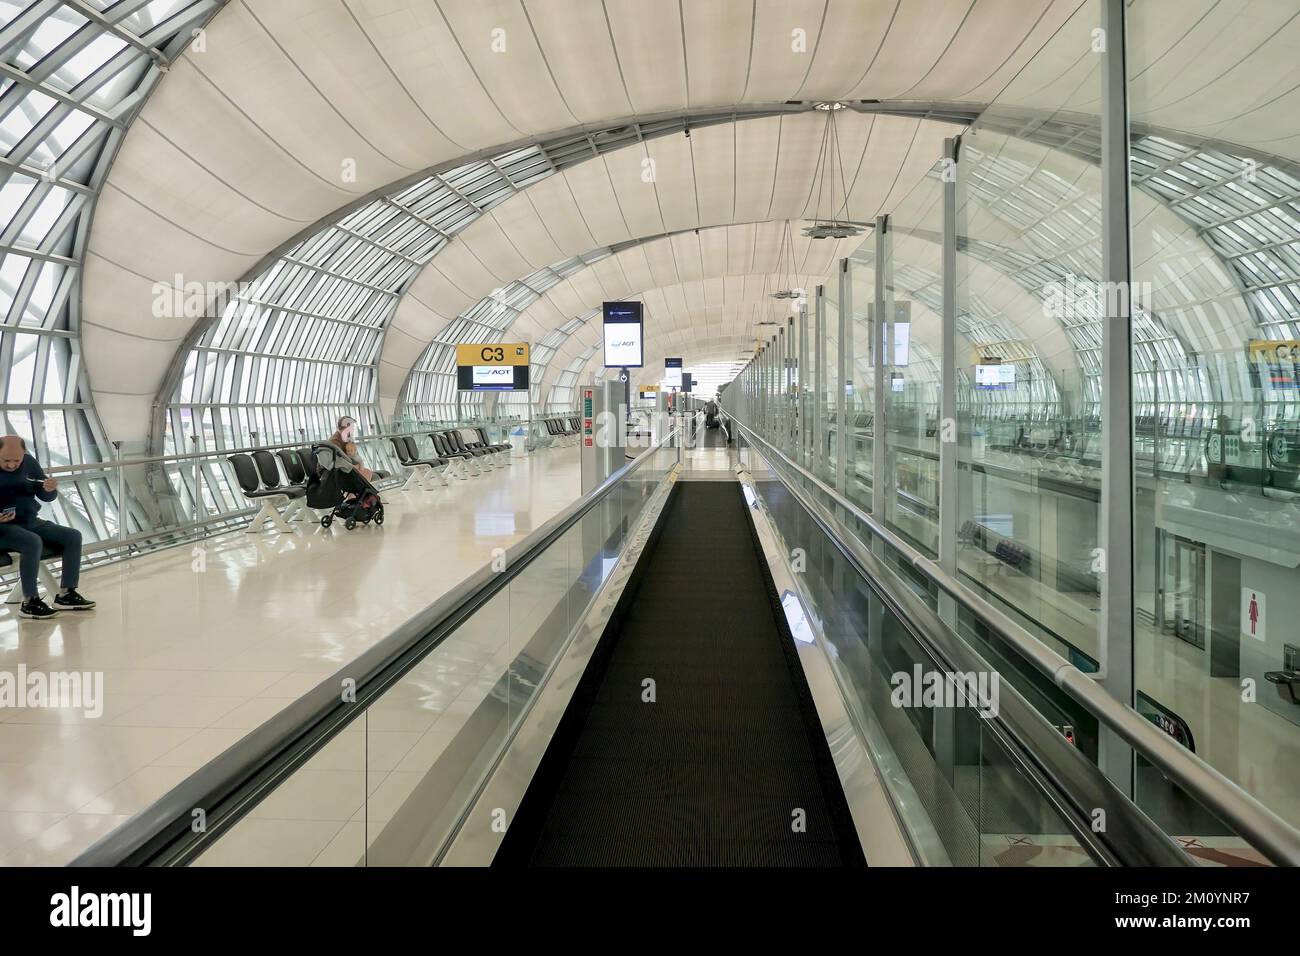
point(1212, 339)
point(1215, 232)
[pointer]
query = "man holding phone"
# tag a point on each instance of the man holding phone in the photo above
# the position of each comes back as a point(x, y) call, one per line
point(23, 486)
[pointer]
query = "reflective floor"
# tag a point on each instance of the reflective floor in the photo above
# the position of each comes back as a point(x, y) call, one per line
point(198, 647)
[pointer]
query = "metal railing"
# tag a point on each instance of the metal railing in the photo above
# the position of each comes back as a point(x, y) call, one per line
point(230, 786)
point(1248, 817)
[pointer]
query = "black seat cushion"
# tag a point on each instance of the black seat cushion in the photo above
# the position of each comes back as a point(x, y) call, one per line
point(293, 468)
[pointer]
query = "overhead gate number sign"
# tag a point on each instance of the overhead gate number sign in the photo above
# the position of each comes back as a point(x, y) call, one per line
point(492, 366)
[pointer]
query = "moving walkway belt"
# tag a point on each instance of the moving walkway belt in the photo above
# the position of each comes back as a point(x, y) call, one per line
point(728, 765)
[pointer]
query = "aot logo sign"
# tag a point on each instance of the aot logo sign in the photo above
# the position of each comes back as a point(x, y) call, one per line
point(494, 375)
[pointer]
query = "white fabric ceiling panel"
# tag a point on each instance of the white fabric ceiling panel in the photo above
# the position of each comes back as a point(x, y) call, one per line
point(687, 255)
point(527, 230)
point(608, 271)
point(924, 152)
point(552, 204)
point(492, 247)
point(575, 296)
point(324, 41)
point(637, 199)
point(135, 239)
point(405, 347)
point(918, 35)
point(122, 288)
point(580, 56)
point(416, 318)
point(465, 273)
point(715, 177)
point(1229, 77)
point(635, 269)
point(662, 263)
point(756, 158)
point(847, 41)
point(425, 56)
point(439, 294)
point(1064, 76)
point(797, 161)
point(244, 176)
point(717, 37)
point(777, 67)
point(985, 40)
point(713, 244)
point(674, 181)
point(1026, 47)
point(652, 58)
point(497, 38)
point(740, 245)
point(271, 92)
point(592, 201)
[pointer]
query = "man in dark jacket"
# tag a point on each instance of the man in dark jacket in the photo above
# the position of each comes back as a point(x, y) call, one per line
point(23, 485)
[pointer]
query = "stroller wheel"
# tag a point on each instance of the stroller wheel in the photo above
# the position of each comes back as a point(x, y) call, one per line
point(379, 516)
point(326, 521)
point(350, 524)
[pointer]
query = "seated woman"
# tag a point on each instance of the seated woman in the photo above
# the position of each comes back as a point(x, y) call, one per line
point(353, 473)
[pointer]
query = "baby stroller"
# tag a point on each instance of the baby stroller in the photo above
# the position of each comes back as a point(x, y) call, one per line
point(326, 489)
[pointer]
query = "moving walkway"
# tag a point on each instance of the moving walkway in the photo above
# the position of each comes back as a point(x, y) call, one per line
point(682, 673)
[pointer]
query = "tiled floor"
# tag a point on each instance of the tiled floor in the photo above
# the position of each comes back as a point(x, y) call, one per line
point(198, 647)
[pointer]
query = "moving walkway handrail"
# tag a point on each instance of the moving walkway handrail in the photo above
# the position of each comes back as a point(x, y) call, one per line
point(226, 788)
point(1074, 786)
point(1265, 830)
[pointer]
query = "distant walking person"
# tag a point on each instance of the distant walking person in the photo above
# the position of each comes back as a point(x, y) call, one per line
point(23, 485)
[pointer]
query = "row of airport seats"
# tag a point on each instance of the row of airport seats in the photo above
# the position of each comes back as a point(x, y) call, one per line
point(277, 482)
point(457, 453)
point(562, 431)
point(259, 479)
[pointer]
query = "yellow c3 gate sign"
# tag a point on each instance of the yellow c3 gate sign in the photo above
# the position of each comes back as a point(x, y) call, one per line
point(493, 353)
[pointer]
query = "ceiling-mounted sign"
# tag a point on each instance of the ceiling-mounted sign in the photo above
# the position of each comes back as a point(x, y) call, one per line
point(492, 367)
point(688, 381)
point(624, 334)
point(672, 373)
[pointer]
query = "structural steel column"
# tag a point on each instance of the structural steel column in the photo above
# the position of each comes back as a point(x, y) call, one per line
point(949, 494)
point(841, 396)
point(802, 371)
point(879, 480)
point(819, 384)
point(1116, 519)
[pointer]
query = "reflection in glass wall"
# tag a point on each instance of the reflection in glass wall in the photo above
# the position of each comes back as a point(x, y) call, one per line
point(1215, 228)
point(1028, 349)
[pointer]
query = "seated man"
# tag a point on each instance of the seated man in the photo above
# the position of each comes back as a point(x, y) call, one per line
point(22, 482)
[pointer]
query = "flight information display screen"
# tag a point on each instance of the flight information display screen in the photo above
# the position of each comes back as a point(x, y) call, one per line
point(492, 378)
point(624, 344)
point(991, 377)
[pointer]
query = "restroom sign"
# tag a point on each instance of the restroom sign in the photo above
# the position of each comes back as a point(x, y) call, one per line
point(1252, 613)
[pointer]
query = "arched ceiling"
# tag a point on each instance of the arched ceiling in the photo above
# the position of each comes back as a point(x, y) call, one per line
point(753, 171)
point(294, 109)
